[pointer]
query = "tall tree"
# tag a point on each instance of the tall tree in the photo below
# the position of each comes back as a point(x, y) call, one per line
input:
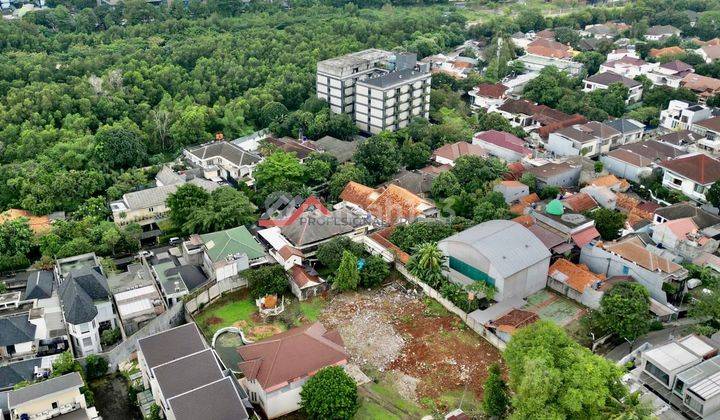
point(608, 223)
point(495, 398)
point(625, 310)
point(380, 156)
point(120, 145)
point(184, 201)
point(16, 237)
point(281, 171)
point(330, 394)
point(347, 276)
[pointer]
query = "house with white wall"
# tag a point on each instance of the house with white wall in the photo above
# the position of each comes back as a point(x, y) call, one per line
point(276, 368)
point(58, 397)
point(692, 175)
point(589, 139)
point(681, 115)
point(222, 160)
point(228, 252)
point(602, 81)
point(87, 308)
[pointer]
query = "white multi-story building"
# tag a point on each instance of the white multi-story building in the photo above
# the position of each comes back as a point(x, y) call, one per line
point(680, 115)
point(390, 101)
point(336, 77)
point(87, 308)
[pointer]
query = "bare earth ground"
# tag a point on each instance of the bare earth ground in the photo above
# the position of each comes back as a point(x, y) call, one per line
point(422, 351)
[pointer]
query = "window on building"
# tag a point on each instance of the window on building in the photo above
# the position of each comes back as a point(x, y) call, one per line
point(700, 189)
point(694, 403)
point(470, 272)
point(678, 386)
point(87, 342)
point(677, 181)
point(625, 269)
point(657, 373)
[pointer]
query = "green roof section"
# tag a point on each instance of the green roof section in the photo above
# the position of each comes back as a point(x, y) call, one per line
point(555, 208)
point(232, 241)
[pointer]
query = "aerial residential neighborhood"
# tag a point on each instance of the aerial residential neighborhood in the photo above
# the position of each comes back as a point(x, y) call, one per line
point(359, 210)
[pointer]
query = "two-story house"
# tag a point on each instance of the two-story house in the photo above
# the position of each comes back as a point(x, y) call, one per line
point(222, 160)
point(601, 81)
point(681, 115)
point(87, 308)
point(588, 140)
point(58, 397)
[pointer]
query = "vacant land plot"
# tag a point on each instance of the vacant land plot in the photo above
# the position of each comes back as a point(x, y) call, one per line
point(236, 310)
point(421, 357)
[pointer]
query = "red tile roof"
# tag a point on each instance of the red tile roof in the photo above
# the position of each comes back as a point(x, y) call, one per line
point(491, 90)
point(700, 168)
point(288, 251)
point(580, 202)
point(301, 276)
point(660, 52)
point(390, 204)
point(504, 140)
point(584, 237)
point(514, 320)
point(578, 277)
point(291, 356)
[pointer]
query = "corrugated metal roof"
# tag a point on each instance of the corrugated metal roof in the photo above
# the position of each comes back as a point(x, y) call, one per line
point(707, 388)
point(509, 246)
point(672, 356)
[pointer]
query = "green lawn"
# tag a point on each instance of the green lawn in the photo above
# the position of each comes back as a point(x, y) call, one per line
point(387, 393)
point(225, 314)
point(371, 411)
point(312, 308)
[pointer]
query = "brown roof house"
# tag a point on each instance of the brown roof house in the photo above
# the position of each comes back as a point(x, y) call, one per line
point(488, 95)
point(601, 81)
point(505, 326)
point(629, 257)
point(705, 87)
point(448, 154)
point(589, 139)
point(692, 175)
point(305, 282)
point(637, 160)
point(276, 368)
point(391, 205)
point(576, 281)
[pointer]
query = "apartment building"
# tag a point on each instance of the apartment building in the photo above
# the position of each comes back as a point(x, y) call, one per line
point(391, 100)
point(336, 77)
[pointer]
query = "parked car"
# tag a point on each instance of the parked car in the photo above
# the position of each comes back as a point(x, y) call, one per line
point(175, 241)
point(145, 254)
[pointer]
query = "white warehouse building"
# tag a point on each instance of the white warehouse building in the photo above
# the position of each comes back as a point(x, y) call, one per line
point(502, 253)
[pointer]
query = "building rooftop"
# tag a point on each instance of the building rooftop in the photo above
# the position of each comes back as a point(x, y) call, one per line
point(510, 246)
point(577, 276)
point(608, 78)
point(171, 344)
point(355, 59)
point(291, 355)
point(16, 372)
point(342, 150)
point(44, 389)
point(699, 168)
point(156, 196)
point(625, 125)
point(702, 218)
point(39, 285)
point(224, 243)
point(219, 400)
point(504, 140)
point(632, 249)
point(16, 329)
point(226, 150)
point(394, 78)
point(187, 373)
point(672, 356)
point(79, 292)
point(453, 151)
point(390, 204)
point(314, 226)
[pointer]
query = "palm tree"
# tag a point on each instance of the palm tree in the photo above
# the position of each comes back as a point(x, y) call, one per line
point(427, 264)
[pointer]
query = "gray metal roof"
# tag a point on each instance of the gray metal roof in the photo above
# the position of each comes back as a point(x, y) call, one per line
point(215, 401)
point(167, 176)
point(509, 246)
point(708, 387)
point(608, 78)
point(187, 373)
point(156, 196)
point(79, 292)
point(16, 329)
point(171, 344)
point(699, 372)
point(44, 388)
point(39, 285)
point(394, 78)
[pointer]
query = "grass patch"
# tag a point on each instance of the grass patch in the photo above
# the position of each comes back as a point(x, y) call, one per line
point(434, 309)
point(235, 309)
point(455, 399)
point(311, 309)
point(371, 411)
point(387, 393)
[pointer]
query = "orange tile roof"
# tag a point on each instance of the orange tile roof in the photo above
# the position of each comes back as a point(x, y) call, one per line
point(525, 220)
point(461, 148)
point(578, 277)
point(390, 204)
point(288, 251)
point(549, 48)
point(612, 182)
point(580, 202)
point(530, 199)
point(632, 249)
point(382, 237)
point(39, 224)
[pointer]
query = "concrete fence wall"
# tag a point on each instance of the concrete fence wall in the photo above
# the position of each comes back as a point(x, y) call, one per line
point(469, 321)
point(210, 293)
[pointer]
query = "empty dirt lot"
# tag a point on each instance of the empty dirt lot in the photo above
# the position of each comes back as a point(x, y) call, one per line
point(411, 344)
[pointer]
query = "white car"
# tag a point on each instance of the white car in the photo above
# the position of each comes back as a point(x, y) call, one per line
point(145, 254)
